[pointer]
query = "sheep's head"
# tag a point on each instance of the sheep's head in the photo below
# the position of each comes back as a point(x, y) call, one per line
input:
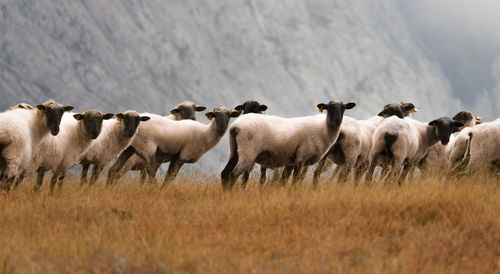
point(53, 112)
point(401, 110)
point(130, 120)
point(467, 118)
point(22, 106)
point(444, 127)
point(91, 120)
point(186, 110)
point(251, 107)
point(335, 111)
point(221, 115)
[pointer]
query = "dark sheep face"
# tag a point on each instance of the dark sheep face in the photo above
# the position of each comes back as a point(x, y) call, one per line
point(251, 107)
point(335, 111)
point(444, 127)
point(222, 116)
point(53, 112)
point(131, 120)
point(400, 110)
point(186, 110)
point(467, 118)
point(92, 122)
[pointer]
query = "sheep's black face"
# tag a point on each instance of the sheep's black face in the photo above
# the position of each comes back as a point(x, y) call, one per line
point(444, 127)
point(467, 118)
point(186, 110)
point(92, 122)
point(221, 116)
point(335, 111)
point(131, 120)
point(53, 112)
point(400, 110)
point(251, 107)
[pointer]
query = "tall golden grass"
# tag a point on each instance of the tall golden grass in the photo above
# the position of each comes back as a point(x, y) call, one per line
point(192, 225)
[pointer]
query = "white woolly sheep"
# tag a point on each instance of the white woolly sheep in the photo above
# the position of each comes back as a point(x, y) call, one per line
point(21, 105)
point(62, 152)
point(162, 140)
point(21, 131)
point(405, 142)
point(116, 135)
point(292, 143)
point(483, 147)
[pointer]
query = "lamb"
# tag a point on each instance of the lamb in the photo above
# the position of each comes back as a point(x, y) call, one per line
point(483, 147)
point(292, 143)
point(350, 151)
point(440, 157)
point(62, 152)
point(405, 142)
point(115, 137)
point(163, 140)
point(185, 110)
point(21, 131)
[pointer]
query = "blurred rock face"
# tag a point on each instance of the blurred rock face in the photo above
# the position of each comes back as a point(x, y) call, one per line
point(150, 55)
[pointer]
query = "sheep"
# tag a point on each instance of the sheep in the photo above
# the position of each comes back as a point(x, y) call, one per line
point(440, 157)
point(292, 143)
point(405, 142)
point(483, 147)
point(163, 140)
point(21, 105)
point(21, 131)
point(185, 110)
point(115, 137)
point(62, 152)
point(350, 151)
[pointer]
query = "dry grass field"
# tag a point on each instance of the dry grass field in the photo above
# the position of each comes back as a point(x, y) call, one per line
point(192, 226)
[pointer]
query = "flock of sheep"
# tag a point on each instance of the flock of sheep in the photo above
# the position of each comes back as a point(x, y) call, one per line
point(50, 138)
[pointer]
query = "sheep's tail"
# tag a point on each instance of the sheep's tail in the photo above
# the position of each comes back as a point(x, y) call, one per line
point(460, 167)
point(390, 139)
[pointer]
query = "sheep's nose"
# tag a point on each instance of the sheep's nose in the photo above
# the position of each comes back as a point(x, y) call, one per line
point(54, 131)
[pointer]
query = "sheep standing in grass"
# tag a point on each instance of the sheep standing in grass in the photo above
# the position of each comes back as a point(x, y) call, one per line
point(292, 143)
point(183, 111)
point(162, 140)
point(62, 152)
point(115, 137)
point(21, 131)
point(440, 157)
point(483, 147)
point(351, 150)
point(404, 142)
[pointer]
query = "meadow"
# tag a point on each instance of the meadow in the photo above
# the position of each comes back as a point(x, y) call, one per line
point(192, 226)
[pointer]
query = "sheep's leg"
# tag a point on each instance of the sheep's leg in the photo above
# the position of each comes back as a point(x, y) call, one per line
point(405, 172)
point(246, 176)
point(318, 170)
point(395, 173)
point(172, 171)
point(53, 182)
point(39, 179)
point(276, 176)
point(262, 179)
point(297, 171)
point(122, 159)
point(358, 173)
point(285, 175)
point(302, 173)
point(19, 179)
point(85, 169)
point(8, 183)
point(96, 171)
point(142, 177)
point(61, 180)
point(227, 174)
point(151, 170)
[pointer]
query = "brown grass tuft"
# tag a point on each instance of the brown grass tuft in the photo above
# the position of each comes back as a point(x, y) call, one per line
point(430, 225)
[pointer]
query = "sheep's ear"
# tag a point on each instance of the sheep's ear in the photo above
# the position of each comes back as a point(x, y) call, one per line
point(174, 111)
point(383, 113)
point(145, 118)
point(41, 108)
point(433, 123)
point(210, 115)
point(239, 108)
point(235, 114)
point(349, 105)
point(321, 107)
point(119, 116)
point(458, 124)
point(108, 116)
point(200, 108)
point(68, 108)
point(262, 108)
point(78, 116)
